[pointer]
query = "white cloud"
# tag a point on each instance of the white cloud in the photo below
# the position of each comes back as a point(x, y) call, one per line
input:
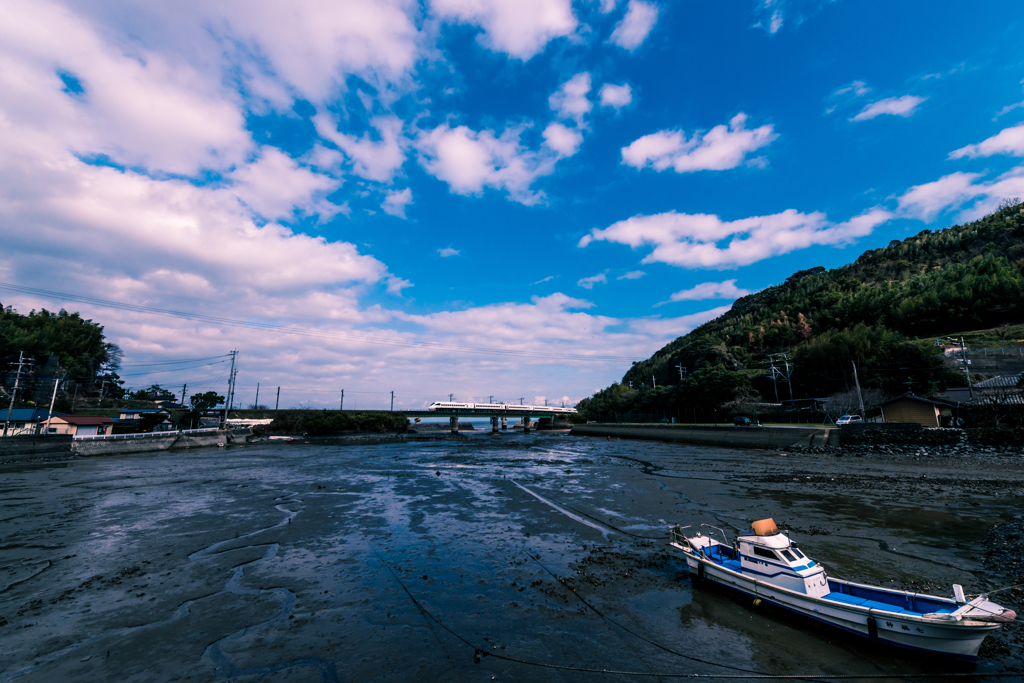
point(570, 100)
point(719, 149)
point(566, 141)
point(897, 106)
point(448, 251)
point(617, 96)
point(631, 32)
point(632, 275)
point(397, 284)
point(708, 290)
point(470, 161)
point(961, 190)
point(519, 28)
point(589, 282)
point(395, 202)
point(1007, 141)
point(371, 159)
point(691, 240)
point(140, 109)
point(545, 279)
point(278, 49)
point(607, 6)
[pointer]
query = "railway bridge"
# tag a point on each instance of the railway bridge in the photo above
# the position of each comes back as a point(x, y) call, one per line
point(499, 415)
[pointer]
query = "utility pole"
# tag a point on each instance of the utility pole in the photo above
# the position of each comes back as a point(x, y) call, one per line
point(681, 370)
point(277, 403)
point(256, 405)
point(392, 400)
point(966, 363)
point(521, 400)
point(654, 382)
point(184, 395)
point(14, 392)
point(342, 405)
point(856, 381)
point(451, 398)
point(74, 398)
point(490, 399)
point(231, 386)
point(103, 389)
point(630, 384)
point(56, 383)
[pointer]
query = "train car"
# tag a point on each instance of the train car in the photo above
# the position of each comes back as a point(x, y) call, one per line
point(449, 406)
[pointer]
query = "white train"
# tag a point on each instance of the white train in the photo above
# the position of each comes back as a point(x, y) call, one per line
point(454, 407)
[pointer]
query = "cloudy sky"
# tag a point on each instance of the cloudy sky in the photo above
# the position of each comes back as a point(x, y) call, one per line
point(507, 198)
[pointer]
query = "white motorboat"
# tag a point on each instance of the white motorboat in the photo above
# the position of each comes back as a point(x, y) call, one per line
point(765, 564)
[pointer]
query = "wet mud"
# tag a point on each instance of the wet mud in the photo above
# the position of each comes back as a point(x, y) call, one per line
point(511, 557)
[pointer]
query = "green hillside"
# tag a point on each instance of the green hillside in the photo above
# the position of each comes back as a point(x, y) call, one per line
point(883, 311)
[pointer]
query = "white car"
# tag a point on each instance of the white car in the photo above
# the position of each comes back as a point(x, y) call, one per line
point(850, 420)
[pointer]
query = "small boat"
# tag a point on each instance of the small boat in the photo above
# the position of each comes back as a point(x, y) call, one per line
point(762, 562)
point(286, 439)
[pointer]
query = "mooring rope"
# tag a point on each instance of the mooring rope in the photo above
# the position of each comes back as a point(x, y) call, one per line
point(479, 653)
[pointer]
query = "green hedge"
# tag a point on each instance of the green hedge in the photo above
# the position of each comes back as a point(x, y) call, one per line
point(328, 422)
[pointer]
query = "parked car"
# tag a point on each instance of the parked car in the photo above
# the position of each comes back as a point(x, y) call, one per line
point(741, 421)
point(850, 420)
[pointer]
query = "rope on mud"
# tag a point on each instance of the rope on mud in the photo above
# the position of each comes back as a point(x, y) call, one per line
point(998, 590)
point(479, 653)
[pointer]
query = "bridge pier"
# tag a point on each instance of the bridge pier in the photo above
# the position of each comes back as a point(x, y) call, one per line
point(504, 423)
point(526, 425)
point(494, 425)
point(455, 424)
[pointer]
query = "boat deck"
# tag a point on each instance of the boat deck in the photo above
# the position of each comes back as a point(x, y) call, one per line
point(897, 602)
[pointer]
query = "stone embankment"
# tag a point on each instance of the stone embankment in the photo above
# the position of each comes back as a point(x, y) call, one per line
point(19, 448)
point(725, 435)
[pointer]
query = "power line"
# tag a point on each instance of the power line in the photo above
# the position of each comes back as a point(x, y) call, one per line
point(306, 332)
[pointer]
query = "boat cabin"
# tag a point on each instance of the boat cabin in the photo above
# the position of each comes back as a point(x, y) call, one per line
point(768, 553)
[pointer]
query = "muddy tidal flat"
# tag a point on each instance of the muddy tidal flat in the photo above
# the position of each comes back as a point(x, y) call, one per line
point(511, 558)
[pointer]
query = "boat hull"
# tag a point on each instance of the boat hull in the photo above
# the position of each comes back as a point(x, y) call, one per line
point(958, 639)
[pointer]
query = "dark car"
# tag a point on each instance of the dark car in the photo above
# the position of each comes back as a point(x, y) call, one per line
point(741, 421)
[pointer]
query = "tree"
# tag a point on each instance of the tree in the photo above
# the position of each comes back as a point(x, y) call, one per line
point(207, 401)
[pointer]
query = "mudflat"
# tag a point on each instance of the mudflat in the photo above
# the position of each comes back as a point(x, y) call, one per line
point(517, 557)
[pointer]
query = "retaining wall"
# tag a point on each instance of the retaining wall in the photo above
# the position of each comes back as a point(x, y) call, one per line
point(34, 446)
point(148, 443)
point(728, 436)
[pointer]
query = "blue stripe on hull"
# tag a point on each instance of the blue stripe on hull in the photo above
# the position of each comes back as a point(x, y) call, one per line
point(966, 658)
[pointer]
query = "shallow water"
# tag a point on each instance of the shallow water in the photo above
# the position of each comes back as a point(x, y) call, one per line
point(415, 561)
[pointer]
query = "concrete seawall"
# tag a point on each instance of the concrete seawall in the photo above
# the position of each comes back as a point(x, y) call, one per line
point(728, 436)
point(24, 447)
point(148, 443)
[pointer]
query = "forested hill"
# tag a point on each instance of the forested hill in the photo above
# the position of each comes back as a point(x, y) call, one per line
point(960, 278)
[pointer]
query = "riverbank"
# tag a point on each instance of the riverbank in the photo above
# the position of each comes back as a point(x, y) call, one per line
point(292, 562)
point(726, 436)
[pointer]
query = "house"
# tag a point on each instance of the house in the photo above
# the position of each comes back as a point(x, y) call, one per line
point(25, 421)
point(80, 425)
point(911, 409)
point(144, 420)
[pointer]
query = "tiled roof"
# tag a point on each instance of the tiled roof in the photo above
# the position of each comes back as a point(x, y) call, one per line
point(999, 381)
point(27, 414)
point(85, 420)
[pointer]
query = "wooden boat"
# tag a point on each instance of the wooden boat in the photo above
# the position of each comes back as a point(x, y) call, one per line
point(762, 562)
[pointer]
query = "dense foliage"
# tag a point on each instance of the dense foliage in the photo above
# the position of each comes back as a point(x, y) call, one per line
point(870, 312)
point(329, 422)
point(79, 343)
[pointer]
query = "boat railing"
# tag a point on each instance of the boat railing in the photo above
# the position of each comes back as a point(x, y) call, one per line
point(678, 533)
point(724, 537)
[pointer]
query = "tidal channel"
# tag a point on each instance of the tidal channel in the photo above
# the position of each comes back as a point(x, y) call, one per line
point(509, 558)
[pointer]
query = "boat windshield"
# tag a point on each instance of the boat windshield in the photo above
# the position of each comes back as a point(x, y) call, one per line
point(789, 556)
point(798, 553)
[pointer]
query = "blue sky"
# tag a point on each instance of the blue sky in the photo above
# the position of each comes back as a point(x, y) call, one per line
point(561, 186)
